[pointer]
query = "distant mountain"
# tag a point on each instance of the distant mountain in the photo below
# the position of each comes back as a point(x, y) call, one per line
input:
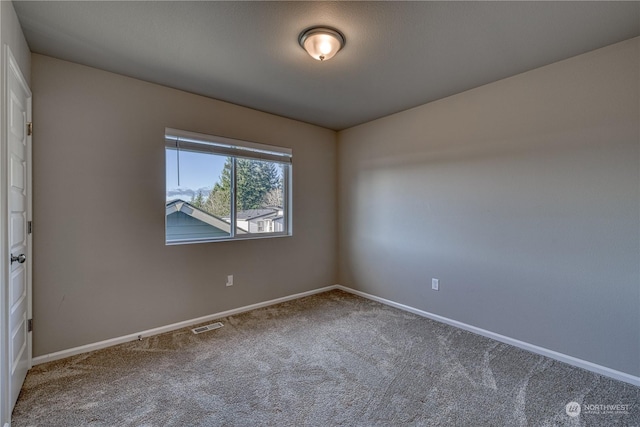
point(187, 194)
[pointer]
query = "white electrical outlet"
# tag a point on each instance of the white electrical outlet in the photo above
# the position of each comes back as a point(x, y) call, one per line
point(435, 284)
point(230, 280)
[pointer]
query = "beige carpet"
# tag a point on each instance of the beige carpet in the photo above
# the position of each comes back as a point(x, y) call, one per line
point(326, 360)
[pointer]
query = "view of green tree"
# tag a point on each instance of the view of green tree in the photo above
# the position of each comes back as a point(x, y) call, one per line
point(275, 197)
point(219, 201)
point(254, 180)
point(198, 201)
point(257, 184)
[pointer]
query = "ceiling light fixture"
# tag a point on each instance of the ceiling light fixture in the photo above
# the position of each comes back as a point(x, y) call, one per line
point(321, 43)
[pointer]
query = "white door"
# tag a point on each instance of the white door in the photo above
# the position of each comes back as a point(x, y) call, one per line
point(18, 114)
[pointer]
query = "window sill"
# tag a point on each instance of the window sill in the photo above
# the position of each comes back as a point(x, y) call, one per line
point(229, 239)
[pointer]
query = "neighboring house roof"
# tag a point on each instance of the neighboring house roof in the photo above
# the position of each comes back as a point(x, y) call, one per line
point(188, 209)
point(250, 214)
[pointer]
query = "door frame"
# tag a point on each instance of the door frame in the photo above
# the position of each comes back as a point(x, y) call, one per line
point(9, 64)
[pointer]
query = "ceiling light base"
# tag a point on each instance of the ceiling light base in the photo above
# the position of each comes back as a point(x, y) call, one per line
point(321, 43)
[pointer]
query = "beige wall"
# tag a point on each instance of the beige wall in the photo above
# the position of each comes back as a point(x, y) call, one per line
point(101, 267)
point(521, 196)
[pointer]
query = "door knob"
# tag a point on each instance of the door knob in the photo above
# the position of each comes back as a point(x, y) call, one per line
point(20, 258)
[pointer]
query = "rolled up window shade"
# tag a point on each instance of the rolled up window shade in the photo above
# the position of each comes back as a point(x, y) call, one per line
point(199, 142)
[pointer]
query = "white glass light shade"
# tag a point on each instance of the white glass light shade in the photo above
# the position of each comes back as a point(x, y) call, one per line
point(321, 43)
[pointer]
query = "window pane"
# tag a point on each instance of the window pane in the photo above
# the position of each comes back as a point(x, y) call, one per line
point(198, 200)
point(260, 202)
point(220, 188)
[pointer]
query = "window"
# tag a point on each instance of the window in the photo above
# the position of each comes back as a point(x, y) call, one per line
point(222, 189)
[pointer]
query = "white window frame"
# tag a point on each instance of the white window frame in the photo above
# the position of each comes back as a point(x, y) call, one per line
point(236, 148)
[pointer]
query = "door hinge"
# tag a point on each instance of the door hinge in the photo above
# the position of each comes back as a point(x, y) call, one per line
point(30, 325)
point(29, 128)
point(29, 227)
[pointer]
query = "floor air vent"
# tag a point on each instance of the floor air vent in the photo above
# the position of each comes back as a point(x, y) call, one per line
point(206, 328)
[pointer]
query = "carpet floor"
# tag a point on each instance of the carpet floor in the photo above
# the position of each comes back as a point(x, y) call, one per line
point(326, 360)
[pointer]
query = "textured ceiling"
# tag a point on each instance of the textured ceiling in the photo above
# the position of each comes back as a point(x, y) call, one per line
point(398, 54)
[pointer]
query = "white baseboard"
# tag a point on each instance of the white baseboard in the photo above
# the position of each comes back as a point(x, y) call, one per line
point(155, 331)
point(573, 361)
point(589, 366)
